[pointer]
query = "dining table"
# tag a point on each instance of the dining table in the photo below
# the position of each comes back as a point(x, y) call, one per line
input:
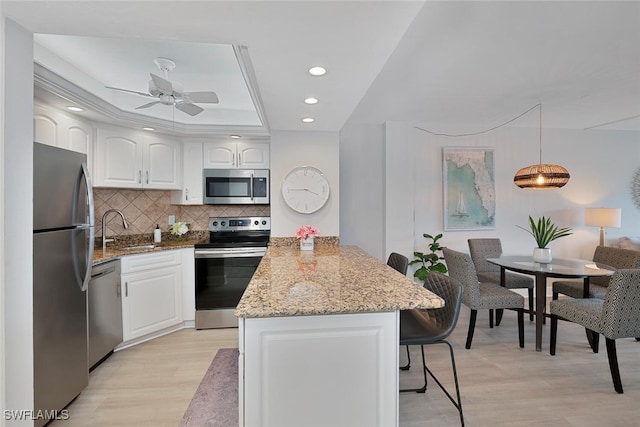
point(565, 268)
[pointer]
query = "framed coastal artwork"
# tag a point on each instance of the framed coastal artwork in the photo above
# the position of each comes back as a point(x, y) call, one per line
point(469, 188)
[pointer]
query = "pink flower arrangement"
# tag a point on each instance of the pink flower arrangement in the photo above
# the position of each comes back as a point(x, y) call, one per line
point(306, 232)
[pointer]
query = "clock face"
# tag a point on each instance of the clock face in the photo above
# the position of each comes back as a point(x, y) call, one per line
point(305, 189)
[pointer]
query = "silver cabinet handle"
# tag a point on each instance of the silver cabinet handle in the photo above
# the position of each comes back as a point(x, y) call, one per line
point(186, 194)
point(126, 289)
point(233, 160)
point(139, 177)
point(147, 177)
point(239, 159)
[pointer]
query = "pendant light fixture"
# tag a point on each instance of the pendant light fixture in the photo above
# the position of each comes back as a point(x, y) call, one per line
point(541, 176)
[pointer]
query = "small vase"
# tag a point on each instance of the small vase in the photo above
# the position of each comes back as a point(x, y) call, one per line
point(542, 255)
point(306, 244)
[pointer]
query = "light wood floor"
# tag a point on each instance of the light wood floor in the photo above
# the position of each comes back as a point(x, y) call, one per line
point(502, 385)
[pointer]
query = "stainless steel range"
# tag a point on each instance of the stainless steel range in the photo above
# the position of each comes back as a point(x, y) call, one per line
point(224, 266)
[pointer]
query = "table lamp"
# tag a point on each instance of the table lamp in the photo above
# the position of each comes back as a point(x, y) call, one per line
point(603, 217)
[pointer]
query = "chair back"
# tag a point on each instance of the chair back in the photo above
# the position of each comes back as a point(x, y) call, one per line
point(480, 250)
point(621, 310)
point(398, 262)
point(462, 270)
point(451, 292)
point(615, 257)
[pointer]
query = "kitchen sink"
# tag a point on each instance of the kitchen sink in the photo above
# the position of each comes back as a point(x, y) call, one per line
point(137, 248)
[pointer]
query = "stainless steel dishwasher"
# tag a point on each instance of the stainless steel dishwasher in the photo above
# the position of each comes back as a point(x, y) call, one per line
point(105, 311)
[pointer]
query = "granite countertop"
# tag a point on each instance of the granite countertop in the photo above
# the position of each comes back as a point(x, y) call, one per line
point(116, 251)
point(328, 280)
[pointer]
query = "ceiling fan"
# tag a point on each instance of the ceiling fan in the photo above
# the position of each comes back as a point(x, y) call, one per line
point(171, 93)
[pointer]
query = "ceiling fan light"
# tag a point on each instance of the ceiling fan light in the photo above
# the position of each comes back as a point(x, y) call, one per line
point(541, 176)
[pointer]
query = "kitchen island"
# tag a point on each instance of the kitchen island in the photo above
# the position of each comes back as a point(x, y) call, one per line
point(318, 338)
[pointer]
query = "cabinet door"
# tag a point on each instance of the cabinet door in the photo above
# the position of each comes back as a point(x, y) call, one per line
point(191, 192)
point(253, 155)
point(161, 164)
point(152, 300)
point(118, 159)
point(219, 155)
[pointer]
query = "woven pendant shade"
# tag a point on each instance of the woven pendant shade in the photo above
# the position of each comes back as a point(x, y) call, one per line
point(541, 176)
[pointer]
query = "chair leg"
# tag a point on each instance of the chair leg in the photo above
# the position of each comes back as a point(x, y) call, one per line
point(490, 318)
point(554, 334)
point(458, 403)
point(596, 341)
point(499, 313)
point(530, 304)
point(472, 325)
point(424, 371)
point(521, 326)
point(613, 364)
point(408, 365)
point(555, 295)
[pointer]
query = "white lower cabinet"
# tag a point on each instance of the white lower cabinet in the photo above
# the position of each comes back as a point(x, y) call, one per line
point(336, 370)
point(151, 294)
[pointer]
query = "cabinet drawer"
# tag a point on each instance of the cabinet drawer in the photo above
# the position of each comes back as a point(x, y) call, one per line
point(149, 261)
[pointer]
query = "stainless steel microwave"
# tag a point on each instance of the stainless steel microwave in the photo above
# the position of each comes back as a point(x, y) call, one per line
point(236, 187)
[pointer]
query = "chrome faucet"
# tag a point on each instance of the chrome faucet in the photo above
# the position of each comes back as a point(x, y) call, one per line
point(104, 226)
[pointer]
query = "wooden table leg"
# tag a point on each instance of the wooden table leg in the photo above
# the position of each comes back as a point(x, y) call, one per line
point(541, 302)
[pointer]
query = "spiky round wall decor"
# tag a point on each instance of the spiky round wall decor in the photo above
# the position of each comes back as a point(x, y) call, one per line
point(635, 188)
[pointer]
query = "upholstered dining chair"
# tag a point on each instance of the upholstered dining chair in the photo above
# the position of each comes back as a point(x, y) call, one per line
point(614, 257)
point(433, 326)
point(481, 295)
point(480, 250)
point(617, 316)
point(398, 262)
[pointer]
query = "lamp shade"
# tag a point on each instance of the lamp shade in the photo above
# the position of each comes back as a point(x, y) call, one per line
point(541, 177)
point(603, 217)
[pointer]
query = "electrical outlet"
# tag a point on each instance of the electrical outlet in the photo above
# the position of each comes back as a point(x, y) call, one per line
point(172, 219)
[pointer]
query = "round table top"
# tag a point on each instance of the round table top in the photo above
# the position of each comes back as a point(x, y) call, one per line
point(558, 267)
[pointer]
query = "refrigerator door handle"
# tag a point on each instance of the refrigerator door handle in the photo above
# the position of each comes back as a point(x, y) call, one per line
point(84, 175)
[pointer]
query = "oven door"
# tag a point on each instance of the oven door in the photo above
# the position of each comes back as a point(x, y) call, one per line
point(222, 275)
point(236, 187)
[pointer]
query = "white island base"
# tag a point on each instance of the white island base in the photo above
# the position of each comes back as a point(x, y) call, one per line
point(325, 370)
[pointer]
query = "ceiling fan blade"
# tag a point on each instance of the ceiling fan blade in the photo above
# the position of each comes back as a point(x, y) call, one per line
point(130, 91)
point(163, 85)
point(150, 104)
point(202, 97)
point(189, 108)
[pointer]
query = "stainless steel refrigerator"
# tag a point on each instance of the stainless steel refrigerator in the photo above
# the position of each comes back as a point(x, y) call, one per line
point(63, 234)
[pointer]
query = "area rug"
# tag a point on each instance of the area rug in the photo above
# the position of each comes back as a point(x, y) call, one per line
point(215, 403)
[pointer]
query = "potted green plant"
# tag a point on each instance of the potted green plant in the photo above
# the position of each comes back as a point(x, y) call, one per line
point(544, 232)
point(430, 261)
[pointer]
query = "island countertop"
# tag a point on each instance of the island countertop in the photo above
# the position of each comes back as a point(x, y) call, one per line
point(328, 280)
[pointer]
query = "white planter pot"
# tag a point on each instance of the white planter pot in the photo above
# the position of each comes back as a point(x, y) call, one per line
point(542, 255)
point(306, 244)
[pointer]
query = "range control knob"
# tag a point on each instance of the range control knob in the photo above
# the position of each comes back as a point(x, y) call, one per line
point(214, 223)
point(223, 223)
point(264, 222)
point(255, 222)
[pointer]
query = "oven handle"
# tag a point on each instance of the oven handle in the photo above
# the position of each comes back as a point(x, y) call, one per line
point(228, 253)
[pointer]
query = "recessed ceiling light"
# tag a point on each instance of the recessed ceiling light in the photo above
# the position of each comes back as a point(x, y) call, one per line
point(235, 136)
point(311, 101)
point(74, 108)
point(308, 120)
point(317, 71)
point(148, 128)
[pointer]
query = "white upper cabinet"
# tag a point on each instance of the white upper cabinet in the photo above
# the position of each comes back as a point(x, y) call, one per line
point(129, 159)
point(191, 192)
point(54, 128)
point(236, 155)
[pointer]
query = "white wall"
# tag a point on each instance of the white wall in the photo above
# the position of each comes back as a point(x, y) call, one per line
point(361, 185)
point(2, 234)
point(290, 149)
point(18, 218)
point(601, 164)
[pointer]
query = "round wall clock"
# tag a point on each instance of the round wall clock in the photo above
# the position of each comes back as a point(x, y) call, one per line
point(305, 189)
point(635, 188)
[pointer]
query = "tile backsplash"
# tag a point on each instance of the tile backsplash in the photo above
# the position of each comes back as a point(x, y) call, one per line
point(143, 209)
